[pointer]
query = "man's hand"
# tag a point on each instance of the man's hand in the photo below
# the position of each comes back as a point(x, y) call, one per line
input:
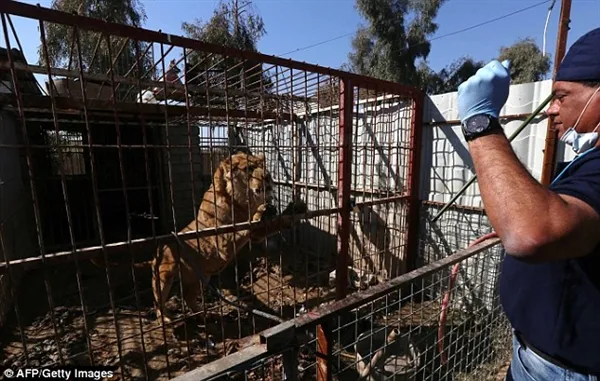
point(485, 92)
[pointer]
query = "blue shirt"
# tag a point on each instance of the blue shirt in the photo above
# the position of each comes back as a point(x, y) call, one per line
point(556, 305)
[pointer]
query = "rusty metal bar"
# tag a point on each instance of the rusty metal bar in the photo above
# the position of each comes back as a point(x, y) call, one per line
point(93, 166)
point(212, 165)
point(166, 238)
point(67, 203)
point(551, 134)
point(126, 201)
point(324, 352)
point(192, 173)
point(89, 23)
point(361, 298)
point(74, 105)
point(324, 333)
point(344, 185)
point(414, 171)
point(222, 366)
point(103, 78)
point(460, 208)
point(149, 186)
point(171, 200)
point(502, 118)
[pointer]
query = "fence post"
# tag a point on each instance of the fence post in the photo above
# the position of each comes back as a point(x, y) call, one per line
point(551, 135)
point(324, 333)
point(344, 184)
point(414, 173)
point(324, 349)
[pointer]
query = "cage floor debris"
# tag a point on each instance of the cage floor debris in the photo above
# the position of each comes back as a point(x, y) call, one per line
point(265, 283)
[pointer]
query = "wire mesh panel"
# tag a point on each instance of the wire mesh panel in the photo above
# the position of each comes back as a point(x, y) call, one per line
point(421, 333)
point(419, 326)
point(382, 147)
point(165, 200)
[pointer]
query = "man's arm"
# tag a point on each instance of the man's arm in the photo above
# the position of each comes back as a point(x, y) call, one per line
point(533, 223)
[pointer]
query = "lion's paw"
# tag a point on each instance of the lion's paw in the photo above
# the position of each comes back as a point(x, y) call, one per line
point(259, 212)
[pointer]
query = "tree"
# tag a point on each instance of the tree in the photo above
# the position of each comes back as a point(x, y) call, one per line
point(527, 62)
point(449, 78)
point(388, 48)
point(232, 25)
point(527, 65)
point(61, 40)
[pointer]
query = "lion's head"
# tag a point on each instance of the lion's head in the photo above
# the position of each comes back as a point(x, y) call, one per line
point(244, 178)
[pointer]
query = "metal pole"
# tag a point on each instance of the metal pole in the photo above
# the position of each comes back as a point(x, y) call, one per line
point(414, 172)
point(510, 139)
point(344, 185)
point(561, 47)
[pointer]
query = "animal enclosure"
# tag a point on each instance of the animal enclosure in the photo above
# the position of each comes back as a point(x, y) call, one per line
point(117, 155)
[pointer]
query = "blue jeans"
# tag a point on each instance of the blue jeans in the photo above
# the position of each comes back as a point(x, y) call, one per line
point(528, 366)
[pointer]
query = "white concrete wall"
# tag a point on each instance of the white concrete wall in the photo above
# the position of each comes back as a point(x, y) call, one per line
point(447, 166)
point(445, 152)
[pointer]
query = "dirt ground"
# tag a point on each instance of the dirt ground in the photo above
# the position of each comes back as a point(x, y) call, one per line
point(282, 284)
point(279, 286)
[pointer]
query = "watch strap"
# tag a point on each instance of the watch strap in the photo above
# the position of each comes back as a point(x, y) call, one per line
point(480, 125)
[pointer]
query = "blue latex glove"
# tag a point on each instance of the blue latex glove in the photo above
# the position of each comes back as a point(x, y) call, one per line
point(485, 92)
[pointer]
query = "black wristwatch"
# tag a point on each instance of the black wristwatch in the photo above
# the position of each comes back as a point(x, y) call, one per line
point(479, 125)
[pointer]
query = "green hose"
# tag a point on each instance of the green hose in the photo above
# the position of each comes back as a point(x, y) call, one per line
point(510, 139)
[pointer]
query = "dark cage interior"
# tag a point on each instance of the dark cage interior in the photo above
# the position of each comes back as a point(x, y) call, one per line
point(69, 152)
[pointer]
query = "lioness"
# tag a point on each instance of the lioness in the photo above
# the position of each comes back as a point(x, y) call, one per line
point(241, 190)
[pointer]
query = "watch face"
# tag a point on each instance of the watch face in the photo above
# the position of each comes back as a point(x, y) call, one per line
point(478, 123)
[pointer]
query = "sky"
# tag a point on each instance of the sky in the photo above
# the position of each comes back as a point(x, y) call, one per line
point(293, 25)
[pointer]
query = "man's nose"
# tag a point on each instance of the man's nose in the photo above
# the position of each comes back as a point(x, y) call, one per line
point(554, 108)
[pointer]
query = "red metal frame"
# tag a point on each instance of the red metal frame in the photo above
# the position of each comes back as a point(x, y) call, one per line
point(344, 183)
point(414, 170)
point(551, 134)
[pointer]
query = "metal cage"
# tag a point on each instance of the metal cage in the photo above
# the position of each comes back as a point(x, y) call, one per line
point(108, 161)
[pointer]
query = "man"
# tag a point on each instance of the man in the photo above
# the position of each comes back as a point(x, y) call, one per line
point(550, 281)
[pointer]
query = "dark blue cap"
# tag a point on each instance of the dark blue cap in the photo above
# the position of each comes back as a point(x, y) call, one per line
point(582, 61)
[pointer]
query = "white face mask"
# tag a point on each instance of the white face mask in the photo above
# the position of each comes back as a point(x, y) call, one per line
point(581, 142)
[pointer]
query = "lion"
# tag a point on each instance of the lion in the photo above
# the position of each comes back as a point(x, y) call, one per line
point(241, 191)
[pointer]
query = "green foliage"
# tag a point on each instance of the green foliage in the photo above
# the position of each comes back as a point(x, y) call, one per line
point(394, 46)
point(394, 39)
point(62, 42)
point(527, 62)
point(527, 65)
point(449, 78)
point(233, 25)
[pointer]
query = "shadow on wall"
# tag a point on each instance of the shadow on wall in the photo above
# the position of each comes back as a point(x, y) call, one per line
point(378, 232)
point(375, 229)
point(428, 151)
